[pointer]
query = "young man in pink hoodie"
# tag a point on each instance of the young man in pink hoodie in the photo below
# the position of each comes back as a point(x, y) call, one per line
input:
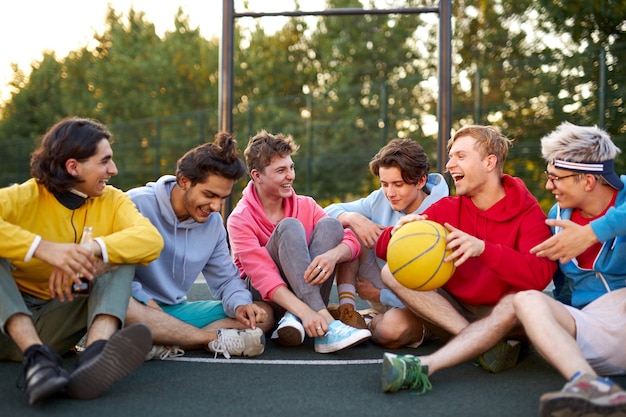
point(288, 248)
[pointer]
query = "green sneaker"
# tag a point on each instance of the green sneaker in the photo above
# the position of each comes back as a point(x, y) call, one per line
point(501, 357)
point(404, 371)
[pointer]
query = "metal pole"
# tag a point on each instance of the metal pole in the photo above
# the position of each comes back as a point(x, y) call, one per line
point(444, 108)
point(225, 107)
point(602, 89)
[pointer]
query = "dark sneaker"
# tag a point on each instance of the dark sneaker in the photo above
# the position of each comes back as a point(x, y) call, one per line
point(340, 336)
point(404, 372)
point(348, 315)
point(234, 342)
point(106, 361)
point(585, 396)
point(501, 357)
point(43, 374)
point(289, 331)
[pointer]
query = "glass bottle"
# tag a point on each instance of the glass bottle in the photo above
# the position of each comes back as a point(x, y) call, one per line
point(86, 241)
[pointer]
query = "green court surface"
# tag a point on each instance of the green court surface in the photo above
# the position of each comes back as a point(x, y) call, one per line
point(296, 382)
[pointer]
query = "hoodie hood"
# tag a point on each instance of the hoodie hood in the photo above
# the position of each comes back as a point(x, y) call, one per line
point(162, 190)
point(518, 200)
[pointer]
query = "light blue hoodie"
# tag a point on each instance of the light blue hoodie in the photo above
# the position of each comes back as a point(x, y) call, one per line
point(609, 267)
point(377, 208)
point(190, 248)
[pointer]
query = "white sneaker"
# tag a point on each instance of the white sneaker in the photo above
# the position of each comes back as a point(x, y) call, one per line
point(164, 352)
point(289, 331)
point(235, 342)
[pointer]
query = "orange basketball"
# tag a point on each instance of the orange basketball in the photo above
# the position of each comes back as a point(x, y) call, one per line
point(416, 253)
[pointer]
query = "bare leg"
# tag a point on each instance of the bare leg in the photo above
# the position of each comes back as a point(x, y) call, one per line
point(396, 328)
point(21, 329)
point(168, 330)
point(428, 305)
point(475, 339)
point(102, 328)
point(541, 316)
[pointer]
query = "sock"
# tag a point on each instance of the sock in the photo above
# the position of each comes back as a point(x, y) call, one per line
point(347, 294)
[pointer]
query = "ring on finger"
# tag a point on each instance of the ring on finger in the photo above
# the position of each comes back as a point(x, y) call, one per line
point(323, 271)
point(320, 268)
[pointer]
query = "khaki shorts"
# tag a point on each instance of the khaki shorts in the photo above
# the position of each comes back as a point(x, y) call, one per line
point(600, 332)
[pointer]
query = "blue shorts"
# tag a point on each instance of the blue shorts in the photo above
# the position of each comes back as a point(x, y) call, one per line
point(197, 313)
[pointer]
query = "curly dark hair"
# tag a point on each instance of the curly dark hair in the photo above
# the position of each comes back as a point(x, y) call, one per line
point(72, 137)
point(218, 158)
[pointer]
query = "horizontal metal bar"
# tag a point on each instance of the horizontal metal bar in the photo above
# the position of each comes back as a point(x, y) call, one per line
point(344, 12)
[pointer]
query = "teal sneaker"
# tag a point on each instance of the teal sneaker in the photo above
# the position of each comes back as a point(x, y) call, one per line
point(340, 336)
point(501, 357)
point(404, 372)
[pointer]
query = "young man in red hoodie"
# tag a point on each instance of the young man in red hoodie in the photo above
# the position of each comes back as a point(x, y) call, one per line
point(493, 222)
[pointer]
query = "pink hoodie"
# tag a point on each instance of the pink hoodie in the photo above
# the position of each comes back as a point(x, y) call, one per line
point(249, 229)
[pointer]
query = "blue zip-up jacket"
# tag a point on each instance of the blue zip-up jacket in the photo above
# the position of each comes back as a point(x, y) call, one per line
point(376, 207)
point(190, 248)
point(609, 267)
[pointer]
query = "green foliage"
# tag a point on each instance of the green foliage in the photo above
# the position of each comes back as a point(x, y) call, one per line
point(342, 87)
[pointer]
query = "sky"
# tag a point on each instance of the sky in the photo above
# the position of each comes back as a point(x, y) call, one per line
point(30, 27)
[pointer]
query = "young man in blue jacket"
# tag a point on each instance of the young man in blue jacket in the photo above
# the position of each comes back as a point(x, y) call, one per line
point(186, 210)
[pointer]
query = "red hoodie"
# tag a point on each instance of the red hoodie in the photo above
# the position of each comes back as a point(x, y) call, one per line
point(510, 228)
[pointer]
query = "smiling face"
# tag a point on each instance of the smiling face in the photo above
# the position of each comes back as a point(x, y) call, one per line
point(402, 196)
point(92, 175)
point(467, 166)
point(563, 187)
point(200, 200)
point(276, 180)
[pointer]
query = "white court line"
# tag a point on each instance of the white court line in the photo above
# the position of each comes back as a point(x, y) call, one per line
point(279, 361)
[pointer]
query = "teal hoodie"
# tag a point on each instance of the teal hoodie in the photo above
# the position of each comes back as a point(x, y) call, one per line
point(190, 248)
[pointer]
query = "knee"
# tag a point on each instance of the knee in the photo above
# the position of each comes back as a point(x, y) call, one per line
point(388, 331)
point(331, 228)
point(290, 226)
point(289, 223)
point(525, 301)
point(505, 310)
point(387, 277)
point(330, 223)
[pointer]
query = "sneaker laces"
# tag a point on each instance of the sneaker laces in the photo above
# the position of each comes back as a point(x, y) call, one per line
point(340, 330)
point(164, 352)
point(419, 379)
point(224, 344)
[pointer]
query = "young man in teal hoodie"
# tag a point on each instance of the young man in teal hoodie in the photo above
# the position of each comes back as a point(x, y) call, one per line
point(186, 210)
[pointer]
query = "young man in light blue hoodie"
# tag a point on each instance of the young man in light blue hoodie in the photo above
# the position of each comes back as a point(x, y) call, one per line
point(186, 210)
point(406, 187)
